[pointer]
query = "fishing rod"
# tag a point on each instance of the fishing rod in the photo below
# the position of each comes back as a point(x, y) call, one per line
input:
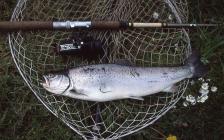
point(13, 26)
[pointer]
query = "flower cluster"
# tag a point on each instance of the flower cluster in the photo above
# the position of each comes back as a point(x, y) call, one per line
point(203, 93)
point(155, 15)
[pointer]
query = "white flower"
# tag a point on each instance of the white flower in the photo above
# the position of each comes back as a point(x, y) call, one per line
point(214, 89)
point(177, 49)
point(155, 15)
point(205, 86)
point(201, 79)
point(208, 80)
point(203, 91)
point(185, 103)
point(176, 45)
point(194, 103)
point(190, 99)
point(170, 17)
point(202, 99)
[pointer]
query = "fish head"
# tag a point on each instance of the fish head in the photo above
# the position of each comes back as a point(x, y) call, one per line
point(56, 83)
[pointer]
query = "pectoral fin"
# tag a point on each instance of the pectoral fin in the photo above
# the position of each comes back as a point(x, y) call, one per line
point(73, 91)
point(136, 98)
point(171, 89)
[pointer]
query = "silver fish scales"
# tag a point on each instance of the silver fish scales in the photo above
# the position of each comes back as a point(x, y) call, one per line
point(107, 82)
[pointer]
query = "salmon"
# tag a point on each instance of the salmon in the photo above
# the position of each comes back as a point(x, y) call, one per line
point(108, 82)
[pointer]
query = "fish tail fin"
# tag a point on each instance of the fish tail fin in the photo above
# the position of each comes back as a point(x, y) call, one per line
point(197, 67)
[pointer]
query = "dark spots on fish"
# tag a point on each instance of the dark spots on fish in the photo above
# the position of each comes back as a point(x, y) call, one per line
point(165, 73)
point(165, 77)
point(153, 81)
point(104, 69)
point(73, 91)
point(88, 69)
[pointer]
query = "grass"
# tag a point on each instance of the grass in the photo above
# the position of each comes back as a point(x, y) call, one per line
point(24, 117)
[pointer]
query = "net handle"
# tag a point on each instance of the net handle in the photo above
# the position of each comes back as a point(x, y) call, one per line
point(7, 26)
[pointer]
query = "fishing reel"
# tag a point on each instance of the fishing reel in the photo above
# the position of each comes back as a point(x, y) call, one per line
point(84, 46)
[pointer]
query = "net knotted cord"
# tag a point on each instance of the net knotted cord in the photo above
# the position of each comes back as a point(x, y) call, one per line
point(34, 56)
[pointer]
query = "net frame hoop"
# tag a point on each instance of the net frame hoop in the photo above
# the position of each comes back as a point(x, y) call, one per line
point(21, 3)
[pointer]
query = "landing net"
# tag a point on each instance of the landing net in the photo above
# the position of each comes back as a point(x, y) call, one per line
point(34, 56)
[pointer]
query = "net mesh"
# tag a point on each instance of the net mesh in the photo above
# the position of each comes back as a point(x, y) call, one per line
point(33, 55)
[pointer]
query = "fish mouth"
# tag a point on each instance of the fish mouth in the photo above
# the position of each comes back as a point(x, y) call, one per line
point(46, 83)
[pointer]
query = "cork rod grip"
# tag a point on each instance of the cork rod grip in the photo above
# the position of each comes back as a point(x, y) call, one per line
point(147, 25)
point(7, 26)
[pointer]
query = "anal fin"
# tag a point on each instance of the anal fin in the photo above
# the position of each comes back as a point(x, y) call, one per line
point(171, 89)
point(136, 98)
